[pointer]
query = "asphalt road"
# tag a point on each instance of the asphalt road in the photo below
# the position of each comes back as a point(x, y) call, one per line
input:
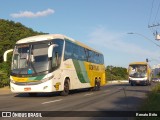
point(112, 97)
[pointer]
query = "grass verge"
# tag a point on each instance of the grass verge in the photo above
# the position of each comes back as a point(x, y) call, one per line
point(151, 104)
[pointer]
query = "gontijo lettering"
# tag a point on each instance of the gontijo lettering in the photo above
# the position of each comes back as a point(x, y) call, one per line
point(93, 67)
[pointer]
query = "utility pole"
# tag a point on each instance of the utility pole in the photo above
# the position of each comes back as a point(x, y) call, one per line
point(157, 36)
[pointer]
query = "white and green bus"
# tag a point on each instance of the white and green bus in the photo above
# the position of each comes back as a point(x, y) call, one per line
point(54, 62)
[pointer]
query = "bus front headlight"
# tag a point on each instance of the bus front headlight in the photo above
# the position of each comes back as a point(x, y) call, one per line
point(48, 78)
point(12, 81)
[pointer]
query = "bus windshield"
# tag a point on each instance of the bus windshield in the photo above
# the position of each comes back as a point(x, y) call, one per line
point(30, 58)
point(138, 71)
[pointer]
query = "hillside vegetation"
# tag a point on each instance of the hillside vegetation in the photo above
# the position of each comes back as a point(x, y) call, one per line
point(10, 32)
point(116, 73)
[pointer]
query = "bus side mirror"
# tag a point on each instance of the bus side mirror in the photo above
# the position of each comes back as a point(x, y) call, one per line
point(5, 54)
point(50, 50)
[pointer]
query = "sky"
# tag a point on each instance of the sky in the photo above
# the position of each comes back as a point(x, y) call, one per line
point(101, 24)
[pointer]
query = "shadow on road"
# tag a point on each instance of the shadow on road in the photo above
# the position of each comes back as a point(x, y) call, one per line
point(53, 94)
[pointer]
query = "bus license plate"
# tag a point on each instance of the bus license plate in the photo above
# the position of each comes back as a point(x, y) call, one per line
point(27, 89)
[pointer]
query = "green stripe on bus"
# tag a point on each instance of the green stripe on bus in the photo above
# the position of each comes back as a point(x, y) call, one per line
point(37, 78)
point(84, 72)
point(80, 70)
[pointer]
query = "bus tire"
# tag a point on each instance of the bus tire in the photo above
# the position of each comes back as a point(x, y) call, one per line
point(65, 92)
point(97, 85)
point(32, 94)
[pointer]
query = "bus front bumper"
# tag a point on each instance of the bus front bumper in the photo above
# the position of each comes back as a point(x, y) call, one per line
point(40, 88)
point(140, 82)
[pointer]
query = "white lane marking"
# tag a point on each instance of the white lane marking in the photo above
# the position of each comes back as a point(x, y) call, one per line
point(88, 94)
point(52, 101)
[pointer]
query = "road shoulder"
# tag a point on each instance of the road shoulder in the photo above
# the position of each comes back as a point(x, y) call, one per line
point(5, 90)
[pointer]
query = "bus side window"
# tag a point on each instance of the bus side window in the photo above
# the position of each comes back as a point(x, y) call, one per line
point(68, 51)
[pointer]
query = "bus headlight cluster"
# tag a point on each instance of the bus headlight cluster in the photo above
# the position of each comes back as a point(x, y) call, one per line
point(48, 78)
point(12, 81)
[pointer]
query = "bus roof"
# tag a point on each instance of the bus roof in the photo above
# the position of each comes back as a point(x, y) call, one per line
point(138, 63)
point(46, 37)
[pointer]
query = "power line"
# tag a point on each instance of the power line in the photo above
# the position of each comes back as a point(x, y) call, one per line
point(157, 12)
point(146, 38)
point(152, 27)
point(155, 24)
point(150, 13)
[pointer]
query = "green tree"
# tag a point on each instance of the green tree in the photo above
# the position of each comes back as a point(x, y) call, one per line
point(10, 32)
point(116, 73)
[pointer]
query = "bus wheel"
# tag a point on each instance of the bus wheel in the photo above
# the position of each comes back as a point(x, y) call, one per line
point(97, 86)
point(32, 94)
point(65, 92)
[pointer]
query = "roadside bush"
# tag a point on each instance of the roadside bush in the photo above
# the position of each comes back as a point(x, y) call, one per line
point(4, 74)
point(156, 88)
point(151, 104)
